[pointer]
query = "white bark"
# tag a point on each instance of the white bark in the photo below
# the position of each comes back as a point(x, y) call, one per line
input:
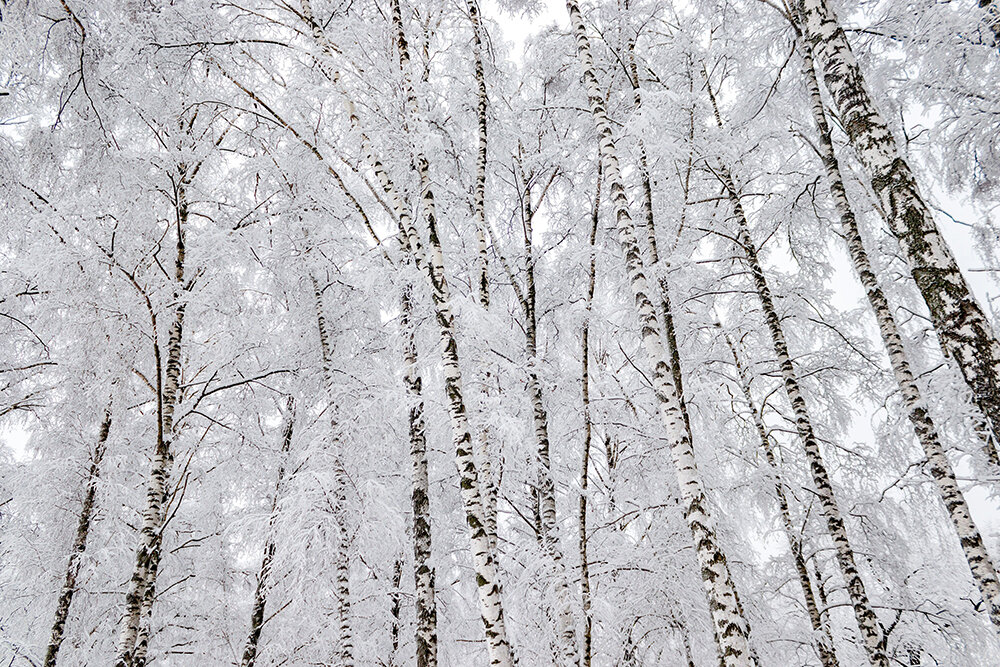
point(566, 642)
point(134, 632)
point(731, 629)
point(432, 264)
point(871, 630)
point(342, 565)
point(486, 473)
point(479, 192)
point(963, 329)
point(981, 565)
point(423, 572)
point(821, 633)
point(251, 648)
point(588, 430)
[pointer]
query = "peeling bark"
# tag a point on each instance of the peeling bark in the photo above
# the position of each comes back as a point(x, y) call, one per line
point(991, 20)
point(486, 478)
point(479, 192)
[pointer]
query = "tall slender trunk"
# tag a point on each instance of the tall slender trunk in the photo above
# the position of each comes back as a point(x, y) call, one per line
point(486, 478)
point(270, 547)
point(487, 579)
point(423, 569)
point(731, 628)
point(133, 640)
point(823, 640)
point(983, 571)
point(868, 623)
point(566, 641)
point(479, 191)
point(666, 311)
point(79, 544)
point(342, 564)
point(963, 329)
point(588, 429)
point(432, 265)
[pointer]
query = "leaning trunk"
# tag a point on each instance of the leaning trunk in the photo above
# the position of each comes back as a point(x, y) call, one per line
point(432, 263)
point(824, 642)
point(479, 191)
point(260, 594)
point(983, 571)
point(871, 631)
point(962, 327)
point(79, 544)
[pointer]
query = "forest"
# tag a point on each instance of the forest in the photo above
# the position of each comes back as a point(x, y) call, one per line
point(583, 333)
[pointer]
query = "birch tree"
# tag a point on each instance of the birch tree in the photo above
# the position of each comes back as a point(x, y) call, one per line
point(257, 619)
point(965, 333)
point(392, 213)
point(731, 631)
point(983, 571)
point(79, 542)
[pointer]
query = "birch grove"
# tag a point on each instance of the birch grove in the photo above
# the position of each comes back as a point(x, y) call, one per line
point(530, 332)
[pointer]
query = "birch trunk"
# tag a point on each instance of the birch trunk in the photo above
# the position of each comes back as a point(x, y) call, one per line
point(731, 629)
point(588, 429)
point(487, 482)
point(487, 580)
point(270, 547)
point(133, 637)
point(488, 485)
point(983, 571)
point(432, 265)
point(565, 619)
point(426, 627)
point(824, 642)
point(423, 572)
point(666, 312)
point(479, 192)
point(79, 544)
point(345, 646)
point(871, 630)
point(491, 606)
point(963, 329)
